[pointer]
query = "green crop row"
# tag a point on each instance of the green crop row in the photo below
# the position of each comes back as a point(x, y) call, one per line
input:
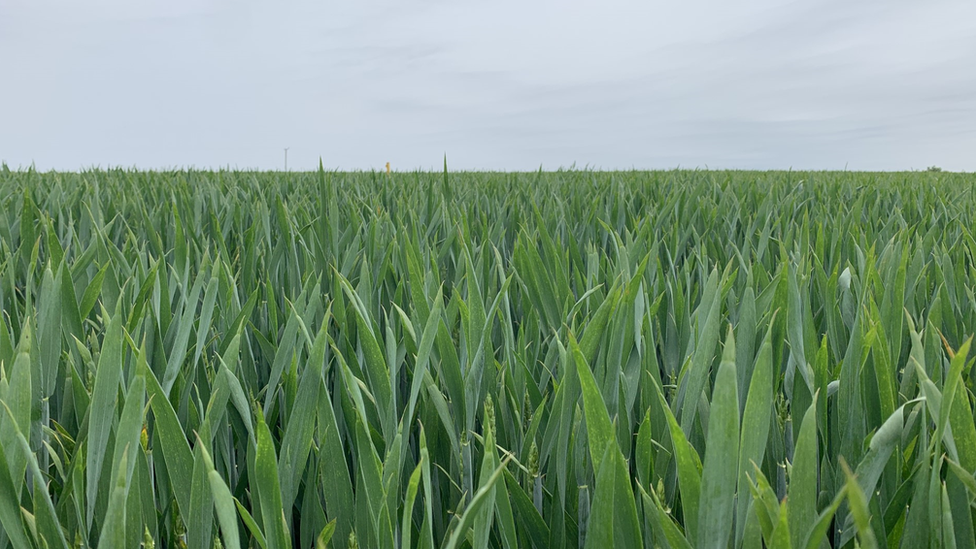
point(446, 360)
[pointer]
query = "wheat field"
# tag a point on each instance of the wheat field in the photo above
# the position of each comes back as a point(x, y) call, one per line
point(445, 360)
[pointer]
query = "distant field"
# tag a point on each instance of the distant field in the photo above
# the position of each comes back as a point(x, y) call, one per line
point(556, 359)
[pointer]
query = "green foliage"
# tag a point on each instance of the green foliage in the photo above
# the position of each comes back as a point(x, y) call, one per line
point(486, 360)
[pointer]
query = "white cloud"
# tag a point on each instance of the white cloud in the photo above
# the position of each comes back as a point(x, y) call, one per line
point(504, 85)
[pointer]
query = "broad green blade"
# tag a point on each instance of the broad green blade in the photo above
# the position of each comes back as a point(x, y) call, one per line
point(859, 510)
point(103, 405)
point(267, 488)
point(689, 474)
point(599, 432)
point(297, 439)
point(702, 357)
point(717, 502)
point(173, 442)
point(10, 515)
point(755, 426)
point(802, 496)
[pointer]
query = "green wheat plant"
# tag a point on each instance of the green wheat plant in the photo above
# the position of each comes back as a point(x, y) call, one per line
point(566, 359)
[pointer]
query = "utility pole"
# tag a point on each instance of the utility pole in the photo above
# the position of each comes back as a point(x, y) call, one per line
point(286, 158)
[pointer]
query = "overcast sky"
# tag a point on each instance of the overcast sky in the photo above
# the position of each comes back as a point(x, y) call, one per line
point(509, 84)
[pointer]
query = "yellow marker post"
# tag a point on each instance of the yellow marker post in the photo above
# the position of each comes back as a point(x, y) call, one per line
point(387, 168)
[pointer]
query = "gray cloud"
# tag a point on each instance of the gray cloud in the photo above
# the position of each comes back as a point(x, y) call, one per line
point(506, 85)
